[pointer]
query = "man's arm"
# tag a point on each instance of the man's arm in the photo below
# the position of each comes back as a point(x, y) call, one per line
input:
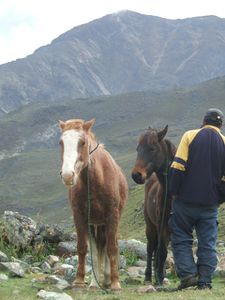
point(178, 167)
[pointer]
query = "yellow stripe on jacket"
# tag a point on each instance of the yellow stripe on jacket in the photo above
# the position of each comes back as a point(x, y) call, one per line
point(181, 155)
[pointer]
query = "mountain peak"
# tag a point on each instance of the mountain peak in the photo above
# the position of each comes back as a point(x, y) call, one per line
point(122, 52)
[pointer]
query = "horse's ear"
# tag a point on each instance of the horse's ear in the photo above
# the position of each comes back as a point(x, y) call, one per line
point(88, 125)
point(162, 133)
point(61, 124)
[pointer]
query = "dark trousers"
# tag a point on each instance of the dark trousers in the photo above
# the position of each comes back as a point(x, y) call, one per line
point(185, 218)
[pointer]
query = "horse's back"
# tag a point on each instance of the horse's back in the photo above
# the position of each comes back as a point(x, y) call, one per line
point(109, 177)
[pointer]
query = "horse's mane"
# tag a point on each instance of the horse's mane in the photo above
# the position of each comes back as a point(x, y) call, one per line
point(153, 133)
point(171, 147)
point(149, 132)
point(78, 125)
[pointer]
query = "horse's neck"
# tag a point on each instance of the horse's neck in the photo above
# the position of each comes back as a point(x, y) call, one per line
point(162, 177)
point(86, 172)
point(164, 189)
point(84, 175)
point(93, 145)
point(171, 149)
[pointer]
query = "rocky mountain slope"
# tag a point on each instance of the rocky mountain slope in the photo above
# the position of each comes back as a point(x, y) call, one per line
point(119, 53)
point(29, 151)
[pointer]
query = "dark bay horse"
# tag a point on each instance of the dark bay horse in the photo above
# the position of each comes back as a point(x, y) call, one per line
point(97, 193)
point(154, 155)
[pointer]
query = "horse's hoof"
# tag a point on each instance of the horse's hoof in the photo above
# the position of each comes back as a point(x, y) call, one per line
point(77, 289)
point(93, 287)
point(147, 282)
point(166, 281)
point(79, 285)
point(116, 287)
point(116, 291)
point(107, 286)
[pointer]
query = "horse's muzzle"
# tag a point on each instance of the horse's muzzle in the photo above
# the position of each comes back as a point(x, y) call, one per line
point(67, 179)
point(137, 177)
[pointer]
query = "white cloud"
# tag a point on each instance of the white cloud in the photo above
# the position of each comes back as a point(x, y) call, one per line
point(26, 25)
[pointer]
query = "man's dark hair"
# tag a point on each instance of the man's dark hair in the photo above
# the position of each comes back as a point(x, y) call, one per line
point(213, 116)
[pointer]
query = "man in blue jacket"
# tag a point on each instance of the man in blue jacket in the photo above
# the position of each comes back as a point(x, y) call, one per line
point(196, 175)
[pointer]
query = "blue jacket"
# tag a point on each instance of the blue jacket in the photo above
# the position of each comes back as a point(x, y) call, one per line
point(199, 166)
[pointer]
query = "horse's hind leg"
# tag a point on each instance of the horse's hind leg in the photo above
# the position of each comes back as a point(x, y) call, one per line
point(112, 251)
point(113, 258)
point(160, 258)
point(151, 246)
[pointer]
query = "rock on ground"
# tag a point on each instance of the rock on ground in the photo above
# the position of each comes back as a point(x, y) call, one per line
point(53, 295)
point(14, 269)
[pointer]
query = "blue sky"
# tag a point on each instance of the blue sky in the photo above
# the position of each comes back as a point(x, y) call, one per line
point(26, 25)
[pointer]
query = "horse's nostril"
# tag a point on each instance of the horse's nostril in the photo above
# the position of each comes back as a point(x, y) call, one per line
point(60, 173)
point(73, 173)
point(137, 177)
point(67, 175)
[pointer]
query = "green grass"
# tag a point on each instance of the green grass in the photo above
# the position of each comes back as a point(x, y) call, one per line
point(29, 182)
point(221, 218)
point(17, 288)
point(23, 289)
point(132, 225)
point(37, 193)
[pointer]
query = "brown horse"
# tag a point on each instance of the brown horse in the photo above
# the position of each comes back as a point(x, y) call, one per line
point(154, 155)
point(97, 192)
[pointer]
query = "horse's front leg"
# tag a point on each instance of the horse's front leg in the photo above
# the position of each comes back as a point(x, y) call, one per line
point(112, 251)
point(82, 248)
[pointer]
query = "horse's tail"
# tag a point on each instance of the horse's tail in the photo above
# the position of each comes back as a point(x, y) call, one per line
point(97, 244)
point(98, 235)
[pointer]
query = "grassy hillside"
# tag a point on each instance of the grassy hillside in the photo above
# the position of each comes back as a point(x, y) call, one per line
point(29, 181)
point(132, 222)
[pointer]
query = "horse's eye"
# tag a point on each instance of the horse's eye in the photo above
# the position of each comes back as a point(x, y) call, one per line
point(82, 143)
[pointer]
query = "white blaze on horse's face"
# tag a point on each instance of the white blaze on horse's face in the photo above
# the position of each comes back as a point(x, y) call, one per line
point(70, 140)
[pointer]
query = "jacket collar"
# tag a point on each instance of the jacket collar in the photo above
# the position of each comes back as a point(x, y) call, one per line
point(213, 127)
